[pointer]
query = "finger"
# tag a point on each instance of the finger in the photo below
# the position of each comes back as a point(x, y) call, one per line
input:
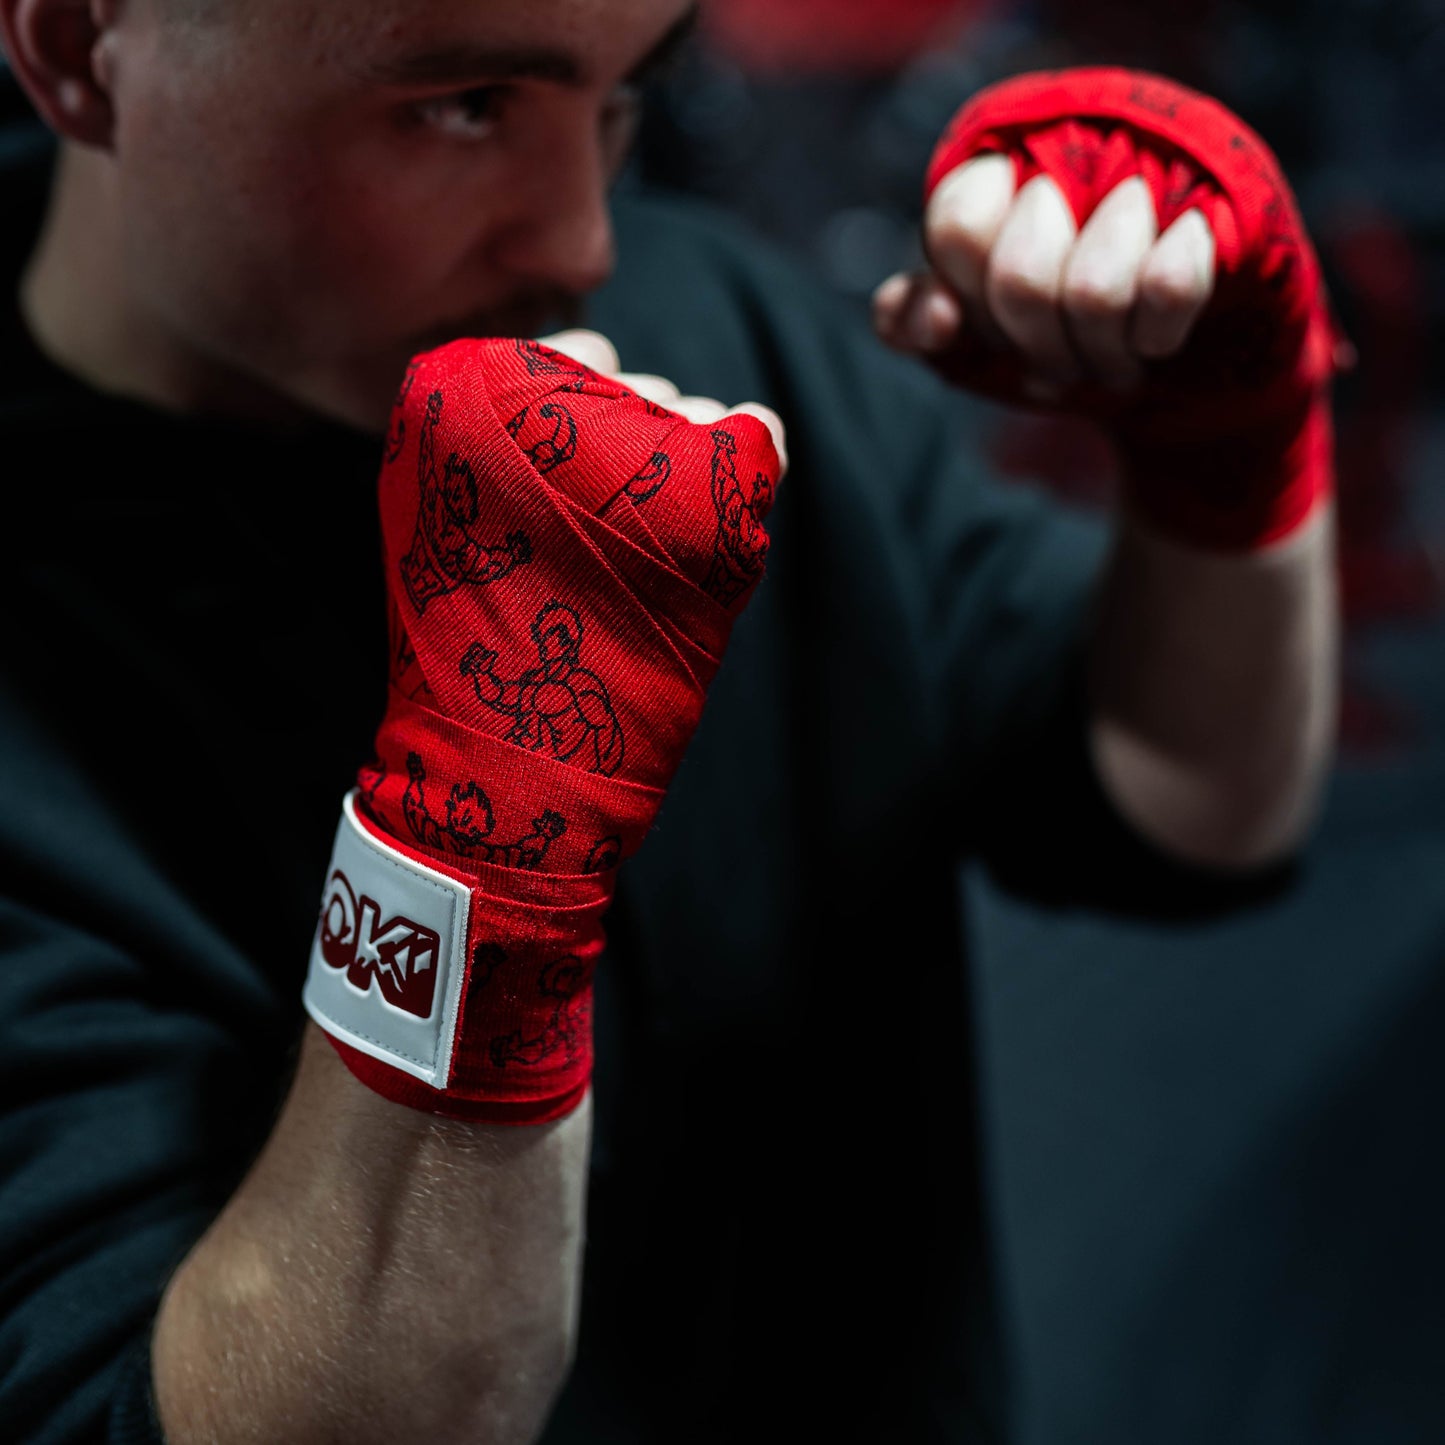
point(890, 301)
point(649, 387)
point(1175, 285)
point(1025, 275)
point(917, 313)
point(590, 348)
point(965, 214)
point(700, 409)
point(1101, 281)
point(774, 424)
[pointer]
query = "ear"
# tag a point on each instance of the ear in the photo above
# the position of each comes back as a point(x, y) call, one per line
point(56, 51)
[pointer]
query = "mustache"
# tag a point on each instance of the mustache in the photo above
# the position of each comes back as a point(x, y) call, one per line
point(535, 314)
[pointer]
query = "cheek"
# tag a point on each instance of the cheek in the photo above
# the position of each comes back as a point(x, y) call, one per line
point(214, 241)
point(383, 231)
point(304, 241)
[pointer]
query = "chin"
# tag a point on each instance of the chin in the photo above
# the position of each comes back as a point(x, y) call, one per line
point(526, 318)
point(363, 404)
point(363, 398)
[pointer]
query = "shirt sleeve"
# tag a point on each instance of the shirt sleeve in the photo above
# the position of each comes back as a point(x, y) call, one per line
point(1001, 578)
point(1010, 576)
point(135, 1091)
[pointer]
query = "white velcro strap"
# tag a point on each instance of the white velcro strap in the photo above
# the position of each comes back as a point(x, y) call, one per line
point(389, 954)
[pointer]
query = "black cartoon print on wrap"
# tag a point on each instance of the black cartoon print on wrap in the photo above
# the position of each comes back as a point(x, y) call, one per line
point(369, 778)
point(543, 361)
point(741, 544)
point(487, 958)
point(646, 484)
point(562, 981)
point(651, 407)
point(558, 707)
point(396, 432)
point(407, 676)
point(605, 853)
point(447, 549)
point(469, 823)
point(546, 432)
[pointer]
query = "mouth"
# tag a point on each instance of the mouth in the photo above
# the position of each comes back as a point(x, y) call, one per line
point(528, 317)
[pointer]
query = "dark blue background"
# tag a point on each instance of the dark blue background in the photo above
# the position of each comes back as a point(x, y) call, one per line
point(1214, 1152)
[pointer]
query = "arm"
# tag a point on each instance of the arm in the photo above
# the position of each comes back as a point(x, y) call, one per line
point(1213, 687)
point(381, 1274)
point(402, 1261)
point(1188, 319)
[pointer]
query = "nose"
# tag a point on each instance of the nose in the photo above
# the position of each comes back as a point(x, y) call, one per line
point(560, 232)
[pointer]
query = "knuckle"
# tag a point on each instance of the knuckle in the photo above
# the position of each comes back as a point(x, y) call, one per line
point(953, 235)
point(959, 255)
point(888, 299)
point(1170, 289)
point(590, 348)
point(700, 408)
point(593, 339)
point(970, 203)
point(649, 384)
point(1089, 297)
point(1018, 292)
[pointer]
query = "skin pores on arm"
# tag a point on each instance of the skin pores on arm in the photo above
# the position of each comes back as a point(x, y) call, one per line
point(382, 1274)
point(1214, 682)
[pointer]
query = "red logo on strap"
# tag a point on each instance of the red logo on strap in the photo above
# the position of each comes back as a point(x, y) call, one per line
point(401, 955)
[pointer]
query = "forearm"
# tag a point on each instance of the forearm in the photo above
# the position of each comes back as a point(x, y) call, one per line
point(382, 1274)
point(1214, 682)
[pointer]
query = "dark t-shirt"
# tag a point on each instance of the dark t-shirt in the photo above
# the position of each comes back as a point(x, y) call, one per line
point(784, 1219)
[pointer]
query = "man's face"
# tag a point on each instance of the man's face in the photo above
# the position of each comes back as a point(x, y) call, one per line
point(311, 191)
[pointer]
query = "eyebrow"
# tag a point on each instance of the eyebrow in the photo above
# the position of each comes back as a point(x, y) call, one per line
point(464, 64)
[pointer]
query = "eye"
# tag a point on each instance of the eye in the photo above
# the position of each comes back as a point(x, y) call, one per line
point(472, 114)
point(620, 115)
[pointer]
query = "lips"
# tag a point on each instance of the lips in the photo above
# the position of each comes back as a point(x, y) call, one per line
point(528, 317)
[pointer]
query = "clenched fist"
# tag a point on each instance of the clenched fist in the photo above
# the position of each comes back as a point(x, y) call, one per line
point(1112, 243)
point(566, 550)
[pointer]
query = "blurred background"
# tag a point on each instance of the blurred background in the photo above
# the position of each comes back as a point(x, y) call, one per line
point(1214, 1153)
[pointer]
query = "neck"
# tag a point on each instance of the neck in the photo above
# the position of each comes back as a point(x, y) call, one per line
point(80, 308)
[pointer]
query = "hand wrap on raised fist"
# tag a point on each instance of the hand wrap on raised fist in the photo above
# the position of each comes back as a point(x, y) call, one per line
point(1230, 443)
point(564, 562)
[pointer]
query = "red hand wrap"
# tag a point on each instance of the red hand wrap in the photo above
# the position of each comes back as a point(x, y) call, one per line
point(564, 562)
point(1230, 445)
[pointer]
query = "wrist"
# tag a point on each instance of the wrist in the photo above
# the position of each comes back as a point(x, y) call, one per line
point(460, 988)
point(418, 1242)
point(1231, 487)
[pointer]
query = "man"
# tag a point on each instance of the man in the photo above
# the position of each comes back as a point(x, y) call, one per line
point(260, 211)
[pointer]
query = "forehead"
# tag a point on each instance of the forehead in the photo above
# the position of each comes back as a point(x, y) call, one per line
point(576, 42)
